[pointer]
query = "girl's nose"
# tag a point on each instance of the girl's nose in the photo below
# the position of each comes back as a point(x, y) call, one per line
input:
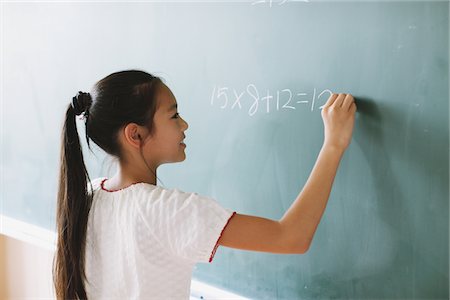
point(187, 126)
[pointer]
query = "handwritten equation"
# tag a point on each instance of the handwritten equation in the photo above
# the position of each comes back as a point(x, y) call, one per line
point(230, 98)
point(280, 2)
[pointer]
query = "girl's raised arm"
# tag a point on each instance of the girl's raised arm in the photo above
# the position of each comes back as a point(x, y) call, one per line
point(294, 232)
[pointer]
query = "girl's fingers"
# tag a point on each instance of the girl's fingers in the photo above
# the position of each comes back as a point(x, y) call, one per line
point(348, 101)
point(330, 100)
point(339, 100)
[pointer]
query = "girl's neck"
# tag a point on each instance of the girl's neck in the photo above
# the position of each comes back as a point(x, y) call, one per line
point(123, 179)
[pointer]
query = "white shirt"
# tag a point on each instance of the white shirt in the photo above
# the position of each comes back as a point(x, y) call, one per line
point(143, 241)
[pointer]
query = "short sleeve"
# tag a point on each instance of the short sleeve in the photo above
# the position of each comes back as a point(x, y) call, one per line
point(188, 224)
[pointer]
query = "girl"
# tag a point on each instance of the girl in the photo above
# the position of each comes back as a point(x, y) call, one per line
point(126, 237)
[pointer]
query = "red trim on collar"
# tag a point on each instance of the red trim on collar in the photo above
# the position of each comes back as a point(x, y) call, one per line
point(112, 191)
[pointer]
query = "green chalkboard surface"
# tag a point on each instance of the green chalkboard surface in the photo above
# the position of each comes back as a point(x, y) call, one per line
point(250, 79)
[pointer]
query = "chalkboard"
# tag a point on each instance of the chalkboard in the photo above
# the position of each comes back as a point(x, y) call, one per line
point(250, 78)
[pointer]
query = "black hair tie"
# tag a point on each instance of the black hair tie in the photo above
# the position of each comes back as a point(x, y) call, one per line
point(81, 103)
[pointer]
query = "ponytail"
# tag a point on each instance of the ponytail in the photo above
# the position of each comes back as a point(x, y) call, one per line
point(73, 205)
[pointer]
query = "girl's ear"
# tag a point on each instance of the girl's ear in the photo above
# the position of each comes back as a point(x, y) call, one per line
point(137, 138)
point(132, 135)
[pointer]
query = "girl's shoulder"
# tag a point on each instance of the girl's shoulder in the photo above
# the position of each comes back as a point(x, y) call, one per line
point(139, 187)
point(144, 191)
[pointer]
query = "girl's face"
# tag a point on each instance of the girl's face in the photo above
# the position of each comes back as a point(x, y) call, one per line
point(165, 145)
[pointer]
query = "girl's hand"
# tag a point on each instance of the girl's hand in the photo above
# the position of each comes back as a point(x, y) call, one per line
point(338, 116)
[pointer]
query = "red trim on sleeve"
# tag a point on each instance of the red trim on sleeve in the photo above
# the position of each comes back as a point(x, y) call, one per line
point(217, 243)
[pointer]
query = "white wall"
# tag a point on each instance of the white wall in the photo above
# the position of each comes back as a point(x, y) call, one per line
point(25, 270)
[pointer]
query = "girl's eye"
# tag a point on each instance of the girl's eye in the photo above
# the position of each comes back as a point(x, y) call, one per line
point(177, 114)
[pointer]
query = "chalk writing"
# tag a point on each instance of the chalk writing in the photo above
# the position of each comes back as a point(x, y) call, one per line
point(280, 2)
point(226, 97)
